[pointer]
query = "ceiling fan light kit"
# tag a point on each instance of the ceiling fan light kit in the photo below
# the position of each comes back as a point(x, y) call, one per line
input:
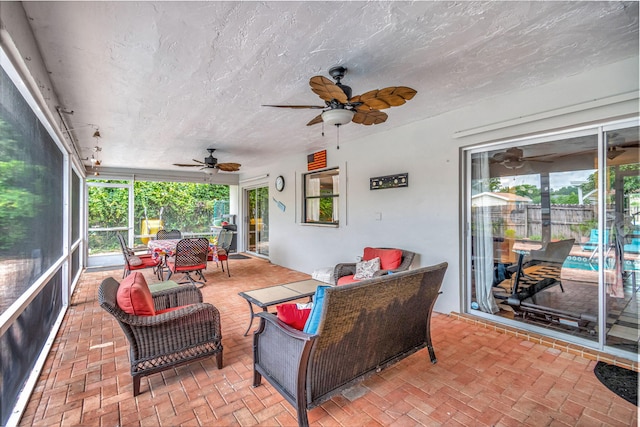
point(338, 116)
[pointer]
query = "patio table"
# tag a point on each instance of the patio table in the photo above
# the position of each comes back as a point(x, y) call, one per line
point(167, 248)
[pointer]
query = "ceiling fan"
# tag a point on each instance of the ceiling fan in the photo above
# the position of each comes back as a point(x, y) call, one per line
point(211, 162)
point(512, 158)
point(341, 108)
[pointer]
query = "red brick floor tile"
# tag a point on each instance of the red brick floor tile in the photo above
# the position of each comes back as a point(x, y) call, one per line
point(484, 376)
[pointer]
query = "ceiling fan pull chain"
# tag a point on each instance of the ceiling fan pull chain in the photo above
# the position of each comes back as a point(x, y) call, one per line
point(338, 133)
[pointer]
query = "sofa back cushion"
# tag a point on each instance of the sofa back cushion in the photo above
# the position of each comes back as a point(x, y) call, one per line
point(390, 259)
point(134, 296)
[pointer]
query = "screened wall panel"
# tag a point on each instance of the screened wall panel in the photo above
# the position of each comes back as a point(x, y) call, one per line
point(75, 207)
point(75, 262)
point(32, 210)
point(21, 345)
point(31, 195)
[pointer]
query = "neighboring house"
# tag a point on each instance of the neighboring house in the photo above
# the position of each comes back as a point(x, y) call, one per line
point(499, 199)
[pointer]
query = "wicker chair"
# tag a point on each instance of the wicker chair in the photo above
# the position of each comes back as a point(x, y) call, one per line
point(346, 269)
point(168, 234)
point(170, 339)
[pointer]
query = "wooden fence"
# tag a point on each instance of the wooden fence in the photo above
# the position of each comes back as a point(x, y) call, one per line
point(567, 221)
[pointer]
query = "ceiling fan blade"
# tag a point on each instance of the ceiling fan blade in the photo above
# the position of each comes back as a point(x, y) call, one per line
point(393, 96)
point(327, 90)
point(184, 165)
point(228, 167)
point(317, 107)
point(373, 117)
point(317, 119)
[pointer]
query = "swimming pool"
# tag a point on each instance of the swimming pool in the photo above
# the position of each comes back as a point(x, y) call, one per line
point(583, 263)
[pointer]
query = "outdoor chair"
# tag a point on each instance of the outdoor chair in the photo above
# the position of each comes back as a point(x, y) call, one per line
point(592, 243)
point(134, 262)
point(190, 257)
point(168, 234)
point(165, 328)
point(535, 272)
point(224, 246)
point(392, 260)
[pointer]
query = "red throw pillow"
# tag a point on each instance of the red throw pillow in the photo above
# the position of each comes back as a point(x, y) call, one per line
point(390, 259)
point(134, 296)
point(293, 316)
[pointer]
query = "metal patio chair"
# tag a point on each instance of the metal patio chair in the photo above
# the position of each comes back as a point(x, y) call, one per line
point(168, 234)
point(190, 257)
point(133, 262)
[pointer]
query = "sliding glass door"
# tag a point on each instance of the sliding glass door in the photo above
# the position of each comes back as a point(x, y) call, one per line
point(257, 237)
point(546, 248)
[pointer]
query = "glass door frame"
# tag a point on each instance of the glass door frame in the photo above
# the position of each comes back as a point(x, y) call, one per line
point(465, 223)
point(259, 221)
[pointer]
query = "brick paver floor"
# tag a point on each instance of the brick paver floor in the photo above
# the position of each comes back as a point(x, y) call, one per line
point(482, 377)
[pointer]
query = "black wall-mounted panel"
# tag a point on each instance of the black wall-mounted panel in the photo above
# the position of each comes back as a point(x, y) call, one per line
point(389, 181)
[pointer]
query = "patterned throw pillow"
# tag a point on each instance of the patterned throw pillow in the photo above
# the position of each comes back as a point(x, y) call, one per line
point(366, 269)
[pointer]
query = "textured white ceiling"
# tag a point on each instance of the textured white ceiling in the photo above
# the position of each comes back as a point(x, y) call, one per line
point(165, 80)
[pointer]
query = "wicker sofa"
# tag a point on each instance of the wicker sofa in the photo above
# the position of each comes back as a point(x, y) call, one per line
point(364, 327)
point(349, 268)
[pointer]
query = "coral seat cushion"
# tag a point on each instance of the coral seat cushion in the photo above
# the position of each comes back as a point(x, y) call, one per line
point(167, 310)
point(134, 296)
point(390, 259)
point(292, 315)
point(345, 280)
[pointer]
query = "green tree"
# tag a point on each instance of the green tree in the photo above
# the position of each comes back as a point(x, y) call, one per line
point(19, 198)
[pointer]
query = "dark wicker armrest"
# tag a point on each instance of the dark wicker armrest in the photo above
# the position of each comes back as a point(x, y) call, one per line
point(176, 297)
point(196, 312)
point(381, 273)
point(165, 333)
point(343, 269)
point(280, 353)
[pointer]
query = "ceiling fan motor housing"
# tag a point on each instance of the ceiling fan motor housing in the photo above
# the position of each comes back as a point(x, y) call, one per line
point(210, 161)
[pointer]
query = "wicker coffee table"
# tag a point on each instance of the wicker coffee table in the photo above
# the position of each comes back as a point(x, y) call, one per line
point(279, 294)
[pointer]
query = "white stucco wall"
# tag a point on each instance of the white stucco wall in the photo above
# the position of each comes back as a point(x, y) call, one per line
point(425, 216)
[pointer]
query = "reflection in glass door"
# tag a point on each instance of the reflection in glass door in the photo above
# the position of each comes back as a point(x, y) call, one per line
point(532, 206)
point(546, 248)
point(622, 245)
point(257, 201)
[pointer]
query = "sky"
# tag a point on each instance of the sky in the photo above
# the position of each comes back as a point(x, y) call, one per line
point(557, 180)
